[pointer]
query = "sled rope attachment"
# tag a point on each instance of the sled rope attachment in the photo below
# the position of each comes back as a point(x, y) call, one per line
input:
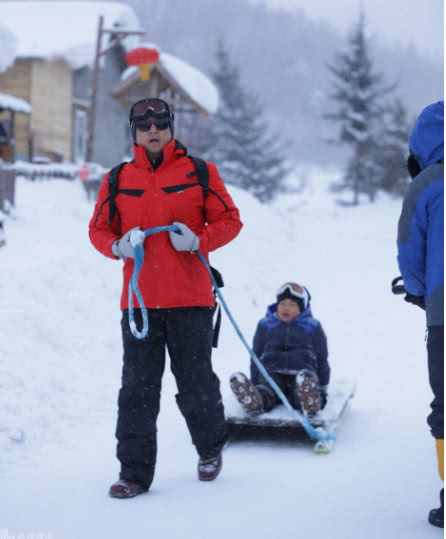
point(138, 255)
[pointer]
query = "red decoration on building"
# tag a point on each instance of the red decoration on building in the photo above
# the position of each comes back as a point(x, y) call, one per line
point(144, 58)
point(83, 172)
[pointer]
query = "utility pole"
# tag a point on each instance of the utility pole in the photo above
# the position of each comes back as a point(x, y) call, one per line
point(119, 35)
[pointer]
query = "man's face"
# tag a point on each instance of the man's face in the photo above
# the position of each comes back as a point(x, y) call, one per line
point(154, 139)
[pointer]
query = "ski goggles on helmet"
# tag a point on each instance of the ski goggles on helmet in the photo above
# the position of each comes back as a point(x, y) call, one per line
point(145, 124)
point(150, 107)
point(296, 291)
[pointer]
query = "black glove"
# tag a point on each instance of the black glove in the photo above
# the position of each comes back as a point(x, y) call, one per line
point(413, 167)
point(416, 300)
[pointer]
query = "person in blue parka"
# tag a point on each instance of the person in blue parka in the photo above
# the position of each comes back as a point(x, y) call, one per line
point(421, 256)
point(292, 346)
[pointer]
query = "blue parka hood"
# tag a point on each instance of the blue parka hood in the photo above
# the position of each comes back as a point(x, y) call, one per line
point(427, 137)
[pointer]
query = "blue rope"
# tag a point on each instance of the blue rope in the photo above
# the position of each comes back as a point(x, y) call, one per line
point(138, 255)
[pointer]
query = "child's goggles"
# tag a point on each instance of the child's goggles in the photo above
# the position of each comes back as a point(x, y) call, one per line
point(294, 289)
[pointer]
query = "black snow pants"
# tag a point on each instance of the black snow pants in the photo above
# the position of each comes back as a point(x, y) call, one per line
point(187, 333)
point(435, 356)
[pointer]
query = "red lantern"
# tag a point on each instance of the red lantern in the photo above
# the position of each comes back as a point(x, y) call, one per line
point(144, 58)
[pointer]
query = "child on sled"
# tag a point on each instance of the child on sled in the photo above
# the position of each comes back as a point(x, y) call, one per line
point(292, 347)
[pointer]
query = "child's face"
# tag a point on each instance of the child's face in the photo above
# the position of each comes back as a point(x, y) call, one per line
point(287, 309)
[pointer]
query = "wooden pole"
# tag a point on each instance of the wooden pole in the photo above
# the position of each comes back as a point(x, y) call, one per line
point(94, 92)
point(95, 77)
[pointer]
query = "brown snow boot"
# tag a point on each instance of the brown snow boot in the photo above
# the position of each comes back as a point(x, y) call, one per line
point(308, 392)
point(125, 489)
point(208, 469)
point(246, 393)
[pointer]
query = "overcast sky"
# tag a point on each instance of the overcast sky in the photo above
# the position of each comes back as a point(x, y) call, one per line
point(396, 21)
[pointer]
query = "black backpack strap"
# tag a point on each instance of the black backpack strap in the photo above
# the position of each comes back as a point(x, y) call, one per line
point(219, 282)
point(202, 172)
point(113, 187)
point(216, 330)
point(218, 277)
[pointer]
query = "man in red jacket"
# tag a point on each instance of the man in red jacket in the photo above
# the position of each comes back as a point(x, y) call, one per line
point(160, 188)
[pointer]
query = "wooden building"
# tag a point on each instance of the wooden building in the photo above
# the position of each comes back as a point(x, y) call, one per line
point(53, 71)
point(10, 106)
point(47, 85)
point(184, 87)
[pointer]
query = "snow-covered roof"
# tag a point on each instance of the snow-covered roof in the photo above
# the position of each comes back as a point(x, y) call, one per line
point(10, 102)
point(63, 29)
point(192, 81)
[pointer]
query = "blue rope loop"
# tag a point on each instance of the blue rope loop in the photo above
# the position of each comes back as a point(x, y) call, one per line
point(138, 255)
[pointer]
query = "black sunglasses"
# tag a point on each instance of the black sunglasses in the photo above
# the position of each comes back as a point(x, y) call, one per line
point(146, 124)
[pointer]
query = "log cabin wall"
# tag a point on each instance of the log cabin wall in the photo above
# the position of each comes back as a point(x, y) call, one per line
point(47, 86)
point(51, 101)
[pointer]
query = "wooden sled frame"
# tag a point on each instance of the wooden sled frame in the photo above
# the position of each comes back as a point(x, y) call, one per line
point(327, 420)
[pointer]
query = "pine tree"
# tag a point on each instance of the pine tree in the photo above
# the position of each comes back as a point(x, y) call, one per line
point(238, 141)
point(392, 149)
point(358, 91)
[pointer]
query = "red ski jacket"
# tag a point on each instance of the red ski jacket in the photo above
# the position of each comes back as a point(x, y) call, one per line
point(168, 278)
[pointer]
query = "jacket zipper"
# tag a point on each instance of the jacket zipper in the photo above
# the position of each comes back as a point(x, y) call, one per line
point(156, 272)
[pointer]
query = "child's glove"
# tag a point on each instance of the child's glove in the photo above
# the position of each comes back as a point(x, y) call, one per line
point(185, 239)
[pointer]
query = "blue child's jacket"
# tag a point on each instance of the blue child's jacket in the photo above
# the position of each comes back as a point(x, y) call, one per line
point(287, 347)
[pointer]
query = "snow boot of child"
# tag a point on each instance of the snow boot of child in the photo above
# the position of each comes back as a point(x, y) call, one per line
point(308, 392)
point(125, 489)
point(209, 468)
point(436, 516)
point(246, 393)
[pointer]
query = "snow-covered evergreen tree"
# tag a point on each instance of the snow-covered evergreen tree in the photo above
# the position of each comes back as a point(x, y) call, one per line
point(246, 154)
point(357, 92)
point(393, 149)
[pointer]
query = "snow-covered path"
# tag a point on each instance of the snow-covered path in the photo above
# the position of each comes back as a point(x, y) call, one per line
point(60, 372)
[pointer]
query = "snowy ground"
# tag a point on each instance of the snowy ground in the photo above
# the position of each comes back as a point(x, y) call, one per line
point(60, 368)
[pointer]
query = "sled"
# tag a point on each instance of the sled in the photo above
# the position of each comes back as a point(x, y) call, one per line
point(279, 422)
